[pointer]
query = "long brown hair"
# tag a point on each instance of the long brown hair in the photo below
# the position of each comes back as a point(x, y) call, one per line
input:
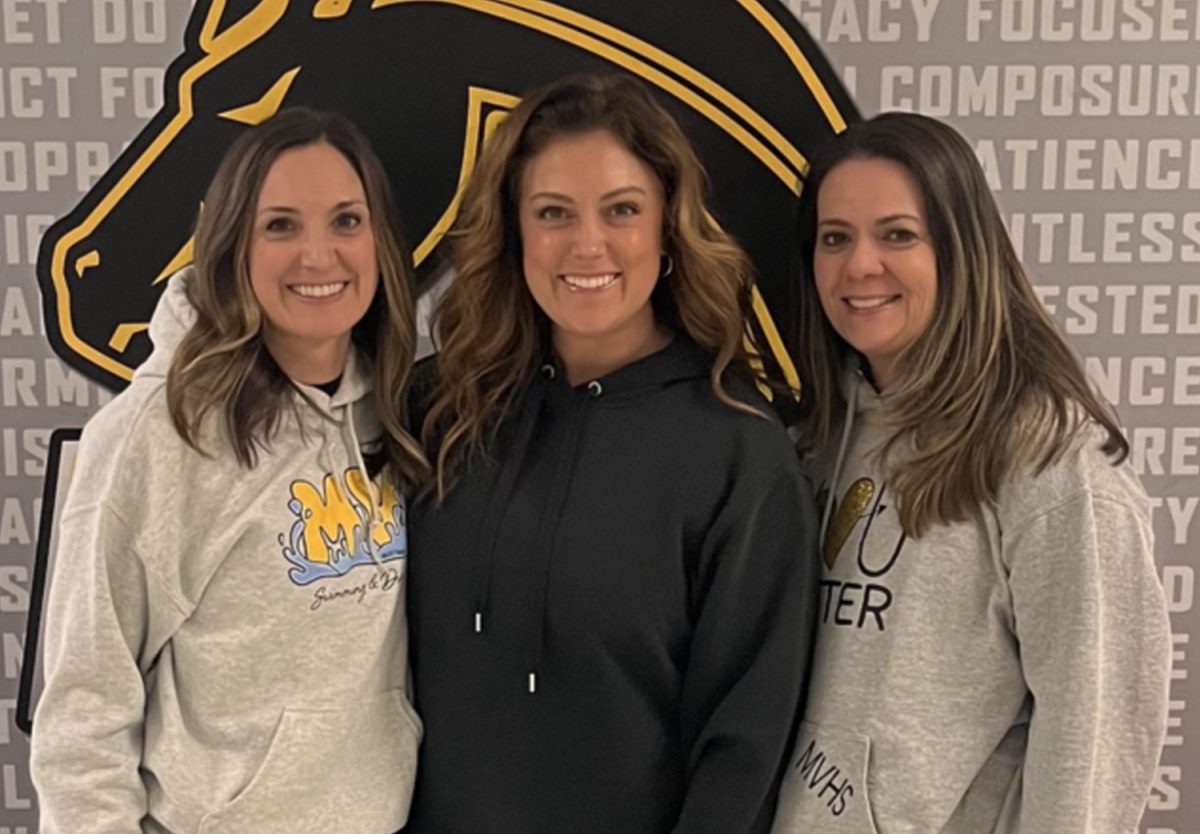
point(491, 333)
point(990, 386)
point(222, 365)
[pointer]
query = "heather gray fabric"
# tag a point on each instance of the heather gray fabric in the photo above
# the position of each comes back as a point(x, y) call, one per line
point(1008, 675)
point(226, 647)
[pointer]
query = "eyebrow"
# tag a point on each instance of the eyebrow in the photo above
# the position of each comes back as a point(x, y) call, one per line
point(616, 192)
point(882, 221)
point(344, 204)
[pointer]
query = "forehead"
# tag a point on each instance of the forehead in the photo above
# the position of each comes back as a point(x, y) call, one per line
point(316, 173)
point(586, 164)
point(866, 188)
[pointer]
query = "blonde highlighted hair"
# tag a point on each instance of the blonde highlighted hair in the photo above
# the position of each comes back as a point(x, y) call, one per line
point(222, 368)
point(491, 334)
point(990, 386)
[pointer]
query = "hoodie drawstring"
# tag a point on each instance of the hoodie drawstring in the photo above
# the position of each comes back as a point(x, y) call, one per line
point(564, 470)
point(530, 408)
point(831, 497)
point(543, 544)
point(376, 512)
point(681, 361)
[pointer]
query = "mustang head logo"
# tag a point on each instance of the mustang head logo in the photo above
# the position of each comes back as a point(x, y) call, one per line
point(426, 79)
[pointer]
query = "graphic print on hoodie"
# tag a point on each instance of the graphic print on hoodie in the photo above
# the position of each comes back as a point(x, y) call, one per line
point(1005, 675)
point(863, 599)
point(329, 536)
point(226, 647)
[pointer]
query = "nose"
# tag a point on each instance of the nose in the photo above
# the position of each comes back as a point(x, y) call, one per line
point(590, 238)
point(317, 251)
point(865, 259)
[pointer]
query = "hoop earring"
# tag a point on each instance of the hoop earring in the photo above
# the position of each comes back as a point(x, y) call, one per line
point(669, 268)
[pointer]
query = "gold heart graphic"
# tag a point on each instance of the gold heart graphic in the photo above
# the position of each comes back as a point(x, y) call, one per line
point(846, 515)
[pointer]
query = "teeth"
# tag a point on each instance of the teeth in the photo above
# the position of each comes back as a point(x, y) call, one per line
point(869, 303)
point(319, 290)
point(590, 282)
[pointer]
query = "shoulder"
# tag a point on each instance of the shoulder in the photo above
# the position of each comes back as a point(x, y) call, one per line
point(745, 442)
point(125, 440)
point(114, 433)
point(764, 427)
point(1082, 473)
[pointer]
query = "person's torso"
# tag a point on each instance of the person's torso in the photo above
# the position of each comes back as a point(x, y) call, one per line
point(918, 709)
point(277, 698)
point(596, 746)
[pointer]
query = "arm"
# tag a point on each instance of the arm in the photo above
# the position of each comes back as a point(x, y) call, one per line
point(1095, 650)
point(747, 670)
point(100, 639)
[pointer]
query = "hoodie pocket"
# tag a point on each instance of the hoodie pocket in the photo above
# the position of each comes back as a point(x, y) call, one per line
point(349, 769)
point(825, 786)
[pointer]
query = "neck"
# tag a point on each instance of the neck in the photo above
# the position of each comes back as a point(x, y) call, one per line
point(591, 357)
point(882, 373)
point(310, 363)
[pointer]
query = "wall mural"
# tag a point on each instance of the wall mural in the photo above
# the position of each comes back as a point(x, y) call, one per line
point(1084, 113)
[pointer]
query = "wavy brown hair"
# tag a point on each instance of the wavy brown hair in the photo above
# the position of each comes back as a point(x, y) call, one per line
point(990, 386)
point(222, 366)
point(491, 334)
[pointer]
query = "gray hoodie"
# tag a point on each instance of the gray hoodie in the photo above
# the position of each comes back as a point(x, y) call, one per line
point(226, 647)
point(1002, 676)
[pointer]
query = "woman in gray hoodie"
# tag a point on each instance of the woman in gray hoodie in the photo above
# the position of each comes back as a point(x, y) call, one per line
point(993, 645)
point(225, 643)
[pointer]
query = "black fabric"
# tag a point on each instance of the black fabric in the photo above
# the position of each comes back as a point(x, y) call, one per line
point(751, 90)
point(330, 388)
point(655, 565)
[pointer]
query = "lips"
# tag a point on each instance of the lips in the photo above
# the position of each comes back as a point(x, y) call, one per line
point(871, 302)
point(590, 282)
point(319, 290)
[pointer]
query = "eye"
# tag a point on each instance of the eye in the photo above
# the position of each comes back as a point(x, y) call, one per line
point(551, 213)
point(348, 221)
point(900, 235)
point(832, 240)
point(625, 209)
point(280, 225)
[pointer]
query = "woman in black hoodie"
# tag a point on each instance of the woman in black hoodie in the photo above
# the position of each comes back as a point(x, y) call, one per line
point(614, 571)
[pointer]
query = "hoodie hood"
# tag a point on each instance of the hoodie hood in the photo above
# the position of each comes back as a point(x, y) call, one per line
point(349, 411)
point(174, 315)
point(862, 406)
point(680, 361)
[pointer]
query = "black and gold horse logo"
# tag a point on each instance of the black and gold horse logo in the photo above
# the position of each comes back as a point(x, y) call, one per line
point(426, 79)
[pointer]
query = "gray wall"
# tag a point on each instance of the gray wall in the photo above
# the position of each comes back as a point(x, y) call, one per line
point(77, 79)
point(1091, 132)
point(1086, 115)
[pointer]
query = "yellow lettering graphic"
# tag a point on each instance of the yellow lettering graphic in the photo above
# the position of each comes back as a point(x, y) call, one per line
point(327, 516)
point(386, 500)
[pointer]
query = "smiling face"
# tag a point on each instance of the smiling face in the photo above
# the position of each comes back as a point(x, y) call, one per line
point(591, 221)
point(874, 264)
point(312, 262)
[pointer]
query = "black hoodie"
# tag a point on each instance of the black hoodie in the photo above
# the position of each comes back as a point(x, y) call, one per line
point(611, 617)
